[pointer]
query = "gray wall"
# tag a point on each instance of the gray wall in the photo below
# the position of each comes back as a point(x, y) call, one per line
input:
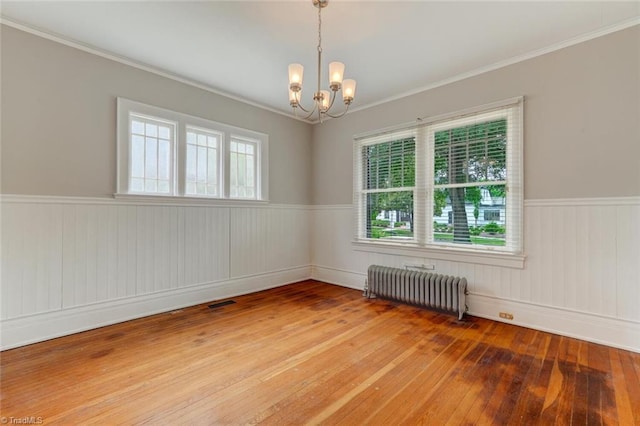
point(582, 121)
point(59, 121)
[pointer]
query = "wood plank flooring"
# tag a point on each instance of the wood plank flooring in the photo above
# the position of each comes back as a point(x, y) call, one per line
point(314, 353)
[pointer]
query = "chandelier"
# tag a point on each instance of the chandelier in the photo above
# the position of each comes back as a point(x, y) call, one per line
point(322, 99)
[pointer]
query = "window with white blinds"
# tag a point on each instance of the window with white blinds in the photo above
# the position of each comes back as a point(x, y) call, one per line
point(167, 153)
point(452, 182)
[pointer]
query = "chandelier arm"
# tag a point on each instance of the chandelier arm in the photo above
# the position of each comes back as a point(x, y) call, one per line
point(333, 98)
point(299, 105)
point(309, 113)
point(339, 115)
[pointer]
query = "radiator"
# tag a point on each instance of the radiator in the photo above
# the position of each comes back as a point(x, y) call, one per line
point(436, 291)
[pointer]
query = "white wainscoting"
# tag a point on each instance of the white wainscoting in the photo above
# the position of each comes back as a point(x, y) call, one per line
point(581, 276)
point(72, 264)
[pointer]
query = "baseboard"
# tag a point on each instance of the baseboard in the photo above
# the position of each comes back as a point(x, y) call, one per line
point(339, 277)
point(36, 328)
point(580, 325)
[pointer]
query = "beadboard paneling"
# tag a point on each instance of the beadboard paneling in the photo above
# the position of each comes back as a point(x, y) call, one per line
point(263, 238)
point(32, 260)
point(581, 257)
point(68, 254)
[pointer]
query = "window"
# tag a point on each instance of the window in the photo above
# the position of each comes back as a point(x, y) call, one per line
point(203, 165)
point(389, 186)
point(492, 215)
point(166, 153)
point(242, 165)
point(151, 154)
point(453, 182)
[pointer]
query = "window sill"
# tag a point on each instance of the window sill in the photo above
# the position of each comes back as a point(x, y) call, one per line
point(508, 260)
point(188, 201)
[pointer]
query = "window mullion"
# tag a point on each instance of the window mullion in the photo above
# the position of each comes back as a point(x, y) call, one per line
point(424, 171)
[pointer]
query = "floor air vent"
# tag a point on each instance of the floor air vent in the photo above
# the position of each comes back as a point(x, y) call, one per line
point(221, 304)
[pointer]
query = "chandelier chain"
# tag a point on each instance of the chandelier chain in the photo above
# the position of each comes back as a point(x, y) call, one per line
point(319, 29)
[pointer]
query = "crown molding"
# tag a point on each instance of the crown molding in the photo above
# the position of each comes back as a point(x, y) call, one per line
point(163, 73)
point(504, 63)
point(136, 64)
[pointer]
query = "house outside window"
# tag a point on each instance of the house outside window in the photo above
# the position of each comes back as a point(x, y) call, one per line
point(456, 179)
point(492, 216)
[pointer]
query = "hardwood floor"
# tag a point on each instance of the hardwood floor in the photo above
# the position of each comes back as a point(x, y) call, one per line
point(313, 353)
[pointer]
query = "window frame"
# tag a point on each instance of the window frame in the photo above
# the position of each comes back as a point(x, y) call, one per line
point(235, 138)
point(173, 126)
point(183, 122)
point(512, 254)
point(220, 157)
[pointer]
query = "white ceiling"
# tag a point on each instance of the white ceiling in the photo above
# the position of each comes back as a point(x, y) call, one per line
point(392, 48)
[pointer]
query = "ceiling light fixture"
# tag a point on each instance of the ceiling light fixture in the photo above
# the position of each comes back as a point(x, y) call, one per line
point(322, 99)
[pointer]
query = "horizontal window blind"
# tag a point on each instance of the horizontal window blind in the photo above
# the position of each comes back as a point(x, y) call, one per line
point(455, 181)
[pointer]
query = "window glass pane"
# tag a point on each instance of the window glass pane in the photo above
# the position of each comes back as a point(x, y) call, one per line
point(441, 165)
point(473, 153)
point(191, 164)
point(137, 185)
point(212, 166)
point(163, 186)
point(470, 216)
point(458, 164)
point(151, 130)
point(191, 137)
point(233, 169)
point(137, 156)
point(150, 185)
point(390, 164)
point(151, 160)
point(390, 215)
point(202, 163)
point(250, 176)
point(137, 127)
point(243, 169)
point(151, 166)
point(164, 132)
point(163, 160)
